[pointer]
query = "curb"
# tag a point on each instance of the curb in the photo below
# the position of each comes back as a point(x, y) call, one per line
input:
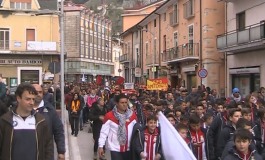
point(71, 142)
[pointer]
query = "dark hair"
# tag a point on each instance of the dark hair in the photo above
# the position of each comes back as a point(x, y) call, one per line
point(242, 134)
point(178, 109)
point(241, 123)
point(148, 107)
point(181, 126)
point(232, 111)
point(219, 102)
point(245, 111)
point(171, 116)
point(194, 119)
point(207, 116)
point(119, 97)
point(261, 113)
point(184, 118)
point(200, 105)
point(151, 117)
point(25, 87)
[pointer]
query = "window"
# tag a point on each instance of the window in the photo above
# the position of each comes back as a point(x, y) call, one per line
point(155, 23)
point(4, 39)
point(175, 14)
point(176, 39)
point(165, 16)
point(20, 5)
point(137, 57)
point(146, 49)
point(189, 9)
point(190, 44)
point(165, 42)
point(241, 21)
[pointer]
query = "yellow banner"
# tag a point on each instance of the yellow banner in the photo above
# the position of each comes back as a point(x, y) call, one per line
point(157, 84)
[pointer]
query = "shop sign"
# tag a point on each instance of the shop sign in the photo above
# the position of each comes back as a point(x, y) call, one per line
point(157, 84)
point(244, 70)
point(21, 61)
point(128, 85)
point(138, 72)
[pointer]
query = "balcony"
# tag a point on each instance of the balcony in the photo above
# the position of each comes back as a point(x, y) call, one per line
point(185, 52)
point(29, 47)
point(251, 38)
point(124, 58)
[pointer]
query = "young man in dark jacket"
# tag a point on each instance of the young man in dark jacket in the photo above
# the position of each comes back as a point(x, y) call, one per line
point(54, 122)
point(228, 130)
point(242, 150)
point(215, 129)
point(97, 114)
point(24, 133)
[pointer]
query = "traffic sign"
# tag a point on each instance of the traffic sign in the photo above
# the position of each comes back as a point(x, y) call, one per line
point(202, 73)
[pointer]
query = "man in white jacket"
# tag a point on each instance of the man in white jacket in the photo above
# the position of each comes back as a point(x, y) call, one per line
point(117, 130)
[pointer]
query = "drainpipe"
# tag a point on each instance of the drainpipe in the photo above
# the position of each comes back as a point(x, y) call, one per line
point(132, 59)
point(226, 81)
point(200, 58)
point(159, 44)
point(141, 54)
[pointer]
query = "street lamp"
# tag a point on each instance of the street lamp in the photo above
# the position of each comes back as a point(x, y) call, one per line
point(61, 16)
point(153, 37)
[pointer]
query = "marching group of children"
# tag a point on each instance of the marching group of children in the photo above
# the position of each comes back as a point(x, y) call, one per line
point(214, 128)
point(224, 128)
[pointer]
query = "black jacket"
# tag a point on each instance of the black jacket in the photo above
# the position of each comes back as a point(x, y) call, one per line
point(138, 143)
point(233, 155)
point(94, 114)
point(257, 137)
point(214, 132)
point(55, 124)
point(48, 97)
point(224, 137)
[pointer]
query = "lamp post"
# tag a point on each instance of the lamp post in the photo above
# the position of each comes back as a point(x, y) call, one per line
point(153, 65)
point(62, 58)
point(61, 20)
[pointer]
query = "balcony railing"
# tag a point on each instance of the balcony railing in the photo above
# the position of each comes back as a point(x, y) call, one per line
point(124, 58)
point(181, 52)
point(250, 34)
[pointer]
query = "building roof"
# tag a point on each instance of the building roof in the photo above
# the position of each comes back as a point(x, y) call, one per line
point(139, 7)
point(162, 8)
point(47, 4)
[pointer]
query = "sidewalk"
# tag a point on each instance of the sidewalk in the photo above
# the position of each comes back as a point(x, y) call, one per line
point(80, 147)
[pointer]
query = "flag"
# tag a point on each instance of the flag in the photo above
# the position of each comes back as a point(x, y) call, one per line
point(173, 145)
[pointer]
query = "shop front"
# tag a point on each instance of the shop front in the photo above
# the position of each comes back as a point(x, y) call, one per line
point(16, 70)
point(246, 79)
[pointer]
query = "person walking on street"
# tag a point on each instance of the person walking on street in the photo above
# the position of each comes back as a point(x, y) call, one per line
point(75, 107)
point(24, 133)
point(54, 122)
point(117, 130)
point(2, 89)
point(97, 114)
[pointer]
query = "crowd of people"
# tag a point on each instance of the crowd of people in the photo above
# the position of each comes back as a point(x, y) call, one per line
point(213, 127)
point(126, 123)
